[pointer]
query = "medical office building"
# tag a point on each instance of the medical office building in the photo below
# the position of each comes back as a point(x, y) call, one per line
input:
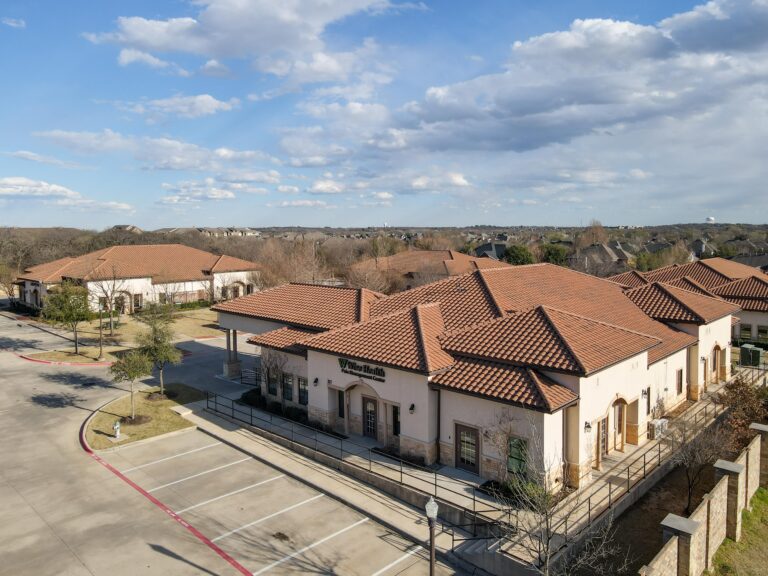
point(573, 366)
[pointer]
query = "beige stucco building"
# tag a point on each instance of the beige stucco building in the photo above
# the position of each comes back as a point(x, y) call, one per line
point(529, 368)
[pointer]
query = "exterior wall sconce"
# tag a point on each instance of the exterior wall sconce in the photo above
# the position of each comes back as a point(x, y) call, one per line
point(412, 409)
point(316, 381)
point(644, 393)
point(703, 358)
point(587, 427)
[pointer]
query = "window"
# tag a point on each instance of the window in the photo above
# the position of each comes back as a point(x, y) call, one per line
point(288, 387)
point(224, 293)
point(235, 292)
point(679, 382)
point(762, 333)
point(395, 420)
point(746, 332)
point(272, 382)
point(249, 288)
point(340, 404)
point(303, 392)
point(137, 301)
point(648, 401)
point(517, 456)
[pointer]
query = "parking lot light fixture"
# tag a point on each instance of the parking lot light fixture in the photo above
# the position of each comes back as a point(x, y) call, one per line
point(431, 509)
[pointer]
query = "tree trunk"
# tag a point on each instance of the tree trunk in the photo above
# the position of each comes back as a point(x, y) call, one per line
point(77, 347)
point(133, 404)
point(162, 384)
point(111, 322)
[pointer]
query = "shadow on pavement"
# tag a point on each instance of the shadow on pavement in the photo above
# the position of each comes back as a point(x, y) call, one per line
point(17, 344)
point(79, 380)
point(61, 400)
point(172, 554)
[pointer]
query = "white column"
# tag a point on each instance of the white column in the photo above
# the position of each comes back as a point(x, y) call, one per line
point(234, 345)
point(229, 345)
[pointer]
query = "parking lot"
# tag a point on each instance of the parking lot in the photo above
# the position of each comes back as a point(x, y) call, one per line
point(268, 522)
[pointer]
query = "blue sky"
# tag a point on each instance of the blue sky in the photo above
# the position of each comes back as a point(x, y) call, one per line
point(361, 112)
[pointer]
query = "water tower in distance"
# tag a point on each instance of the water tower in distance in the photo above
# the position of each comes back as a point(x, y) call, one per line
point(710, 220)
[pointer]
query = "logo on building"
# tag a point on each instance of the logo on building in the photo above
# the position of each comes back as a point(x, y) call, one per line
point(365, 370)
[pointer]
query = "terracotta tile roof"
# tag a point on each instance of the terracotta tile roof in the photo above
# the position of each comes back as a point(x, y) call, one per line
point(729, 268)
point(437, 262)
point(671, 304)
point(688, 283)
point(304, 305)
point(516, 385)
point(285, 339)
point(160, 262)
point(552, 339)
point(750, 304)
point(705, 275)
point(630, 279)
point(464, 300)
point(405, 339)
point(755, 286)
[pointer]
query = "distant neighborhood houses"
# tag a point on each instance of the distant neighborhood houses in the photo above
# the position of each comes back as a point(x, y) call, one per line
point(129, 277)
point(213, 232)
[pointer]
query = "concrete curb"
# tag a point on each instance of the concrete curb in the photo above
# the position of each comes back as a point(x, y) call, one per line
point(55, 363)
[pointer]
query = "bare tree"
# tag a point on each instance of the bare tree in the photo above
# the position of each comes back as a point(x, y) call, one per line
point(551, 528)
point(273, 365)
point(367, 277)
point(694, 451)
point(7, 282)
point(108, 288)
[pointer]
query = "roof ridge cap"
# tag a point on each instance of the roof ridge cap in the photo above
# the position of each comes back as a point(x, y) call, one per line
point(562, 338)
point(487, 288)
point(602, 322)
point(533, 375)
point(417, 311)
point(668, 291)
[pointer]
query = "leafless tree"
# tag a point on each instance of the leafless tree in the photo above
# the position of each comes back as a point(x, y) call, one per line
point(550, 523)
point(108, 287)
point(694, 450)
point(273, 364)
point(7, 282)
point(367, 277)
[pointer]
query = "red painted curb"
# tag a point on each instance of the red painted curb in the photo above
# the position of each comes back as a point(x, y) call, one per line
point(194, 531)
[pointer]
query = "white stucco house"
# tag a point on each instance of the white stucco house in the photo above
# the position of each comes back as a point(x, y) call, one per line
point(563, 366)
point(132, 276)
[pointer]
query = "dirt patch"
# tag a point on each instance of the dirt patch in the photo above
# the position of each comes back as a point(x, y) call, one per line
point(138, 420)
point(281, 536)
point(157, 397)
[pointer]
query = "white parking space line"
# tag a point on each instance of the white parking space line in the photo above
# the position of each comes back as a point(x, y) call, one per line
point(300, 552)
point(260, 520)
point(171, 457)
point(405, 556)
point(230, 494)
point(199, 474)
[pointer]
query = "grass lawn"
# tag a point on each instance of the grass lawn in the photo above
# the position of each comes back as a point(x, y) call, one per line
point(87, 354)
point(163, 419)
point(188, 324)
point(748, 556)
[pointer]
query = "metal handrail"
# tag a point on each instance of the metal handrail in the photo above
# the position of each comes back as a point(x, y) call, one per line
point(233, 409)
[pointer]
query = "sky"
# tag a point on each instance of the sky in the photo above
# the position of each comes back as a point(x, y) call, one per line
point(171, 113)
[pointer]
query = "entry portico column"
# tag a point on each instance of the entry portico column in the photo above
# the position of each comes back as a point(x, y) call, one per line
point(346, 412)
point(231, 364)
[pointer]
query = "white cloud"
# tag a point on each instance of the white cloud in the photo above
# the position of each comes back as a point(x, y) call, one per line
point(22, 188)
point(383, 195)
point(302, 204)
point(214, 68)
point(195, 191)
point(326, 186)
point(14, 22)
point(449, 179)
point(130, 56)
point(166, 153)
point(42, 159)
point(286, 189)
point(180, 106)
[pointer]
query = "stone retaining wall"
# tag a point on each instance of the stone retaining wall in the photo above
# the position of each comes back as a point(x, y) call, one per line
point(691, 543)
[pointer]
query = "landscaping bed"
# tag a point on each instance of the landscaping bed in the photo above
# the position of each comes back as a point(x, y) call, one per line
point(157, 416)
point(86, 355)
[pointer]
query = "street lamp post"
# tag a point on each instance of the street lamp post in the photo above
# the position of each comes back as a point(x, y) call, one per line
point(431, 509)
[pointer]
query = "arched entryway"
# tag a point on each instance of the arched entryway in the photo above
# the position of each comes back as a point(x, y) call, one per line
point(619, 421)
point(123, 302)
point(717, 364)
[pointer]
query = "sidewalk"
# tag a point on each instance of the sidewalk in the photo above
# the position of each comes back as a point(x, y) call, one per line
point(401, 518)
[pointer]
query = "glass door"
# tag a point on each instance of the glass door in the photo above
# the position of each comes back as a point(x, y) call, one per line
point(467, 448)
point(370, 420)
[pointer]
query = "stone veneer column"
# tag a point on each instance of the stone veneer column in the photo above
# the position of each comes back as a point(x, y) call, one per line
point(736, 491)
point(762, 429)
point(687, 555)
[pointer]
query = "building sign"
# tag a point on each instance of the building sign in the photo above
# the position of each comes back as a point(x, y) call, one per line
point(365, 370)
